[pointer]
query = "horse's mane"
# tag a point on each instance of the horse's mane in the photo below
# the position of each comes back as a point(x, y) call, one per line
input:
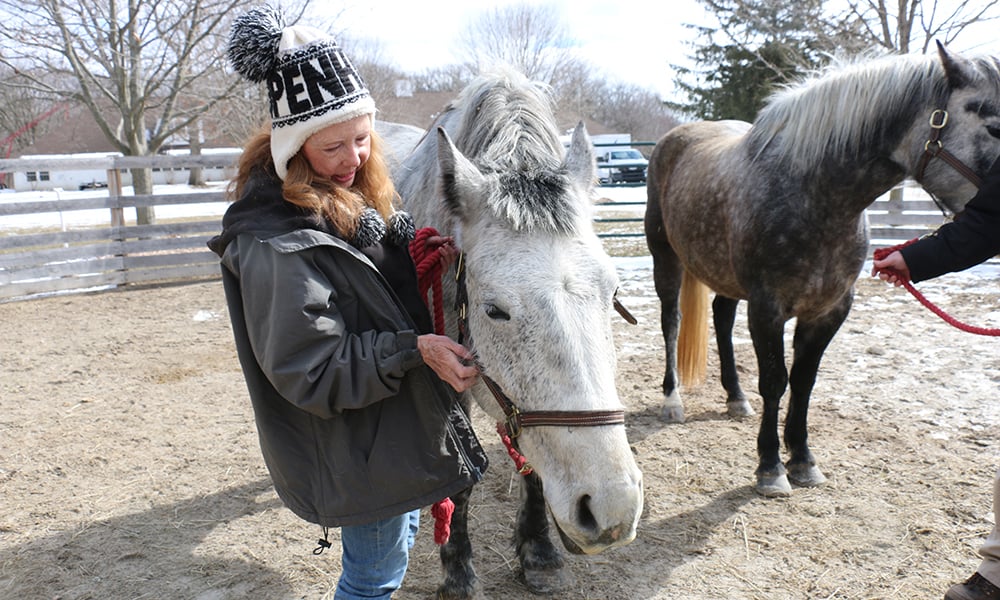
point(507, 128)
point(847, 109)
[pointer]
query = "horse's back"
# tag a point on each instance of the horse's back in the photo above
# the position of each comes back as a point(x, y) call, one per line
point(700, 146)
point(691, 165)
point(694, 173)
point(400, 139)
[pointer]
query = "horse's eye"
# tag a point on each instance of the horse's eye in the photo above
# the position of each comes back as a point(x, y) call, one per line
point(496, 314)
point(994, 130)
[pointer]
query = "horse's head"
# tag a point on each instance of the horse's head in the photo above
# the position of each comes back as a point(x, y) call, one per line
point(540, 289)
point(963, 121)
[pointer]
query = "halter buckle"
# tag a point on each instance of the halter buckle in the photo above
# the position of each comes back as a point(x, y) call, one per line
point(460, 266)
point(939, 118)
point(513, 423)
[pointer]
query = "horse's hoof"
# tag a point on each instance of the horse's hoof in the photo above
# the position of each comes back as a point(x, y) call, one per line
point(458, 593)
point(805, 475)
point(773, 486)
point(673, 408)
point(548, 581)
point(673, 414)
point(739, 409)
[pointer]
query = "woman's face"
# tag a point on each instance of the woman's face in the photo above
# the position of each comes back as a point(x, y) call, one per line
point(339, 150)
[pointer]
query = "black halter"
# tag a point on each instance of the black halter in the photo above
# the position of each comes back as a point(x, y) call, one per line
point(515, 419)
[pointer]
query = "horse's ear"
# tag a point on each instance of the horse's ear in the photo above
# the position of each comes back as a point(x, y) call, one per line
point(579, 160)
point(955, 67)
point(460, 179)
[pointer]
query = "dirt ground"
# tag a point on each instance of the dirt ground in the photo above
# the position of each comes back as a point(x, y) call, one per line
point(129, 464)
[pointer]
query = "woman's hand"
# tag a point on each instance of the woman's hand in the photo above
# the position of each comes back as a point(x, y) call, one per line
point(445, 245)
point(452, 361)
point(892, 269)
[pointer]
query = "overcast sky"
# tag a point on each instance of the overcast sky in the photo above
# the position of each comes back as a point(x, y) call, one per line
point(634, 41)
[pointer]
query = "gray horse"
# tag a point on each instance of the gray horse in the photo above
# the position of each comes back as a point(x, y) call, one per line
point(539, 290)
point(773, 213)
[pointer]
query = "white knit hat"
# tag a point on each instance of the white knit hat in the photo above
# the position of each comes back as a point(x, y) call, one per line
point(311, 83)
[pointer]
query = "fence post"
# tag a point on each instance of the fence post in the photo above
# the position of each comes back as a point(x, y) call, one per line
point(115, 191)
point(894, 207)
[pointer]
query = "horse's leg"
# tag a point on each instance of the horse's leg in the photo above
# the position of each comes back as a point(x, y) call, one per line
point(542, 564)
point(767, 325)
point(456, 554)
point(811, 340)
point(667, 274)
point(723, 316)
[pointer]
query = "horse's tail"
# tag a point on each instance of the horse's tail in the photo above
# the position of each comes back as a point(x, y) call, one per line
point(692, 339)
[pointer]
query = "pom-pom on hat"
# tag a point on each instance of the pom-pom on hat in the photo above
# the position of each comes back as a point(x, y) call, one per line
point(311, 83)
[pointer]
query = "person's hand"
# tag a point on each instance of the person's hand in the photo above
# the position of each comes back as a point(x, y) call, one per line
point(446, 249)
point(450, 360)
point(892, 269)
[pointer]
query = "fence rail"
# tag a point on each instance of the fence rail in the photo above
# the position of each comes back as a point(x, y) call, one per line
point(113, 251)
point(903, 214)
point(51, 261)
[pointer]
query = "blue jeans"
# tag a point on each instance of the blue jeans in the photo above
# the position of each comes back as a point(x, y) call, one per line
point(375, 556)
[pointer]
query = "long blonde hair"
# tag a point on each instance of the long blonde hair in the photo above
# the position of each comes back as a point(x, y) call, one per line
point(303, 187)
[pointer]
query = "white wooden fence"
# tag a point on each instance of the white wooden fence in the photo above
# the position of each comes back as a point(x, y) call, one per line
point(50, 259)
point(53, 259)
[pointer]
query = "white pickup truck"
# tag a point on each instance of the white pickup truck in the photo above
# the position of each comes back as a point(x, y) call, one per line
point(621, 166)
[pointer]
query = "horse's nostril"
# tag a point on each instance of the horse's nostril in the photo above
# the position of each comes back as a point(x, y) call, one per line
point(584, 514)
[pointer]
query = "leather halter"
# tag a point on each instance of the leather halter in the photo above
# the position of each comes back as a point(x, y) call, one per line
point(516, 419)
point(934, 148)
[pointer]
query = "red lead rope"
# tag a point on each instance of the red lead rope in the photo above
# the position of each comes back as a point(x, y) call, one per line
point(428, 263)
point(520, 462)
point(881, 253)
point(429, 272)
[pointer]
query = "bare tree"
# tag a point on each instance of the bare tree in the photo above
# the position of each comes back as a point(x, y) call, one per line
point(532, 38)
point(576, 91)
point(631, 108)
point(369, 57)
point(449, 78)
point(760, 44)
point(146, 70)
point(899, 27)
point(24, 116)
point(915, 24)
point(536, 40)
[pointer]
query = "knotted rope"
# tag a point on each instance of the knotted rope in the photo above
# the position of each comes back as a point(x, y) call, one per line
point(429, 271)
point(520, 462)
point(442, 511)
point(881, 253)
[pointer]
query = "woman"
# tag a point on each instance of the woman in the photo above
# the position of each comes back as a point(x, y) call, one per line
point(356, 423)
point(972, 238)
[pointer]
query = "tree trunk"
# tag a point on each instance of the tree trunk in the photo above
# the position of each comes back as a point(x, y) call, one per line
point(142, 183)
point(196, 177)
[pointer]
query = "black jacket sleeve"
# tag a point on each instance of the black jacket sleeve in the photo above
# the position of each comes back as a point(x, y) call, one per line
point(972, 238)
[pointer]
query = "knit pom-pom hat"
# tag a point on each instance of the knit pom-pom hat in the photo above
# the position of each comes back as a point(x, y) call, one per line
point(311, 83)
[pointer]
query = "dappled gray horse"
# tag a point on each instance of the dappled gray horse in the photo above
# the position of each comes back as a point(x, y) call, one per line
point(773, 213)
